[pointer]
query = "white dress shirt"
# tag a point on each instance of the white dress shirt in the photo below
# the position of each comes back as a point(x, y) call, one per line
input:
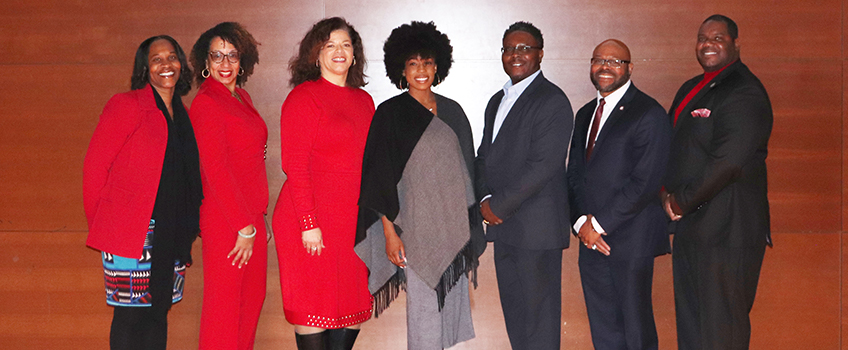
point(511, 94)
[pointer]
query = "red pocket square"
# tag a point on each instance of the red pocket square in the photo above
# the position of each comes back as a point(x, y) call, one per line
point(701, 113)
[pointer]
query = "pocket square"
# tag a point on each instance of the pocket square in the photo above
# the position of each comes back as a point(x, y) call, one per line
point(701, 113)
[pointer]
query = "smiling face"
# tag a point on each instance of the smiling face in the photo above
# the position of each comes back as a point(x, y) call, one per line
point(336, 56)
point(419, 73)
point(517, 64)
point(606, 77)
point(164, 66)
point(225, 72)
point(715, 48)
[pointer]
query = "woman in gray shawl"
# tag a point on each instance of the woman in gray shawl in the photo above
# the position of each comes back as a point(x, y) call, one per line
point(416, 194)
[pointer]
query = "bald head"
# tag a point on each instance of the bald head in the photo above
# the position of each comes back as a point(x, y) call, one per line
point(611, 66)
point(613, 46)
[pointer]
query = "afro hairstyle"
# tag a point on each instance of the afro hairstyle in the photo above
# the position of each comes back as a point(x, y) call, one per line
point(414, 40)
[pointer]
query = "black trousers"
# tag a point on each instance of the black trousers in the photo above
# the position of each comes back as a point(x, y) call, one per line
point(530, 285)
point(618, 301)
point(714, 290)
point(141, 328)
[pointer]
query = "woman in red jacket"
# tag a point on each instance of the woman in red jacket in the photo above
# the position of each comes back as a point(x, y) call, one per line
point(231, 137)
point(323, 128)
point(141, 192)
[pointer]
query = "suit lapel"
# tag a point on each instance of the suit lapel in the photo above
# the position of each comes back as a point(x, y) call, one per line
point(514, 115)
point(618, 110)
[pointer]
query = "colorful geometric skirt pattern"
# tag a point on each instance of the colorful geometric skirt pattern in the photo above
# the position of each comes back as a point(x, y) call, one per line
point(128, 279)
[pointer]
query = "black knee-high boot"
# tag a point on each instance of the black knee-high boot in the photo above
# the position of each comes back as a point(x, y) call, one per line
point(342, 338)
point(314, 341)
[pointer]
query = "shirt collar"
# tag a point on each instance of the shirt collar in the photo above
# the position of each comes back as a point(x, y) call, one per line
point(518, 89)
point(613, 98)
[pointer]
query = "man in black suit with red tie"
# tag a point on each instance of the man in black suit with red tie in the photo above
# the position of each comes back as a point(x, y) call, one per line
point(717, 193)
point(619, 153)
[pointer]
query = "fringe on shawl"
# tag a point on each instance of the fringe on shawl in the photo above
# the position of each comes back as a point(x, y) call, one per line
point(389, 292)
point(463, 263)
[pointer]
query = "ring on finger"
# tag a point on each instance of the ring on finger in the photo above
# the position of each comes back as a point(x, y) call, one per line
point(314, 248)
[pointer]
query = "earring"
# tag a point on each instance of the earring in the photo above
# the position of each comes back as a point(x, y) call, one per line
point(241, 71)
point(354, 61)
point(316, 64)
point(437, 80)
point(204, 73)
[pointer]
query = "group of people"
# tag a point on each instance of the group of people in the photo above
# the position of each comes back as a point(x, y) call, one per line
point(382, 200)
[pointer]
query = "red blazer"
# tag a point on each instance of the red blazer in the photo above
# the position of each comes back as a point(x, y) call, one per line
point(121, 172)
point(231, 139)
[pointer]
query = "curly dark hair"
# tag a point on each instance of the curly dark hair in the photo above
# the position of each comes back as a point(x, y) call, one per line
point(232, 33)
point(414, 40)
point(528, 28)
point(303, 67)
point(141, 67)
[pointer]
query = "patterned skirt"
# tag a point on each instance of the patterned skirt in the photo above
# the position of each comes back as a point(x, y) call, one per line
point(128, 279)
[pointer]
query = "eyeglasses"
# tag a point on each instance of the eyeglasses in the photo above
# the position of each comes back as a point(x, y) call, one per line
point(218, 56)
point(608, 63)
point(520, 49)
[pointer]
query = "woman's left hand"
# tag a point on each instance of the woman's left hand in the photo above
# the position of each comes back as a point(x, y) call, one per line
point(244, 247)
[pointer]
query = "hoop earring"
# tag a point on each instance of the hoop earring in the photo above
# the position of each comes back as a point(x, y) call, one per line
point(437, 80)
point(205, 73)
point(316, 64)
point(354, 61)
point(241, 71)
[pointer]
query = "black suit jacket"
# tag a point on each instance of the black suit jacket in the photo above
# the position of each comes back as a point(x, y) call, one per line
point(524, 169)
point(717, 165)
point(620, 182)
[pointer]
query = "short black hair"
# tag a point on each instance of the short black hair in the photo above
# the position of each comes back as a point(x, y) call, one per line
point(732, 29)
point(232, 33)
point(141, 68)
point(529, 28)
point(414, 40)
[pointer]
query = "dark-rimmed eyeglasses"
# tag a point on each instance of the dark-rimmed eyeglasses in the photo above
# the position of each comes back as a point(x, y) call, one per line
point(520, 49)
point(609, 63)
point(218, 56)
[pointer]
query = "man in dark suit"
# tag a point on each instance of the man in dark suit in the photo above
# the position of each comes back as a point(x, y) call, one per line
point(618, 157)
point(717, 193)
point(521, 172)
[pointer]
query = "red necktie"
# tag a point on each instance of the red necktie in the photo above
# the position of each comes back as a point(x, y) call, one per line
point(596, 124)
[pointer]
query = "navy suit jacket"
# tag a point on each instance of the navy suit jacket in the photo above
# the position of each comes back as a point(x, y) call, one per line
point(524, 169)
point(619, 184)
point(717, 165)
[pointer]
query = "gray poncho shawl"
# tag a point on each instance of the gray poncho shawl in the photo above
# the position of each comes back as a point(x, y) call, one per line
point(414, 173)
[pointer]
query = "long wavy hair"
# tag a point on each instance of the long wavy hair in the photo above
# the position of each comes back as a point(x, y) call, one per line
point(303, 66)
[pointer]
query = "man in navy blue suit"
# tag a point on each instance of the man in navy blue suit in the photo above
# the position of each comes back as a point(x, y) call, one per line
point(520, 169)
point(618, 157)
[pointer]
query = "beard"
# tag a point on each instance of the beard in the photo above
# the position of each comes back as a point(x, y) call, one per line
point(617, 83)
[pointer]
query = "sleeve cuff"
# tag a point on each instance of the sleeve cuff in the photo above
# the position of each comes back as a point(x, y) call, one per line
point(597, 226)
point(579, 223)
point(308, 222)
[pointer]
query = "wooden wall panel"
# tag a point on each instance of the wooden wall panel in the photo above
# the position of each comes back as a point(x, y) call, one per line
point(67, 58)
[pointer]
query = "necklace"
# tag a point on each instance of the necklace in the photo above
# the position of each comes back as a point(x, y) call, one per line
point(234, 94)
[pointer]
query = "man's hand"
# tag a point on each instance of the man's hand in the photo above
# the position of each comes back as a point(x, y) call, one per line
point(667, 199)
point(489, 218)
point(591, 238)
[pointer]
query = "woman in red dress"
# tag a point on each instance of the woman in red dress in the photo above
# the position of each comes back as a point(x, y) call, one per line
point(323, 128)
point(231, 138)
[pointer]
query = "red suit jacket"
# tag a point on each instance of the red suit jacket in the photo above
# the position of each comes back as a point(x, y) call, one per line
point(231, 139)
point(121, 172)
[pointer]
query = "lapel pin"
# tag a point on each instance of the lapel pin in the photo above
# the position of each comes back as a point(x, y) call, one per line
point(621, 108)
point(712, 84)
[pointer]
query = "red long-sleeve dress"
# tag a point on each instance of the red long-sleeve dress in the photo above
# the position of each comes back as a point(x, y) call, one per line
point(323, 128)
